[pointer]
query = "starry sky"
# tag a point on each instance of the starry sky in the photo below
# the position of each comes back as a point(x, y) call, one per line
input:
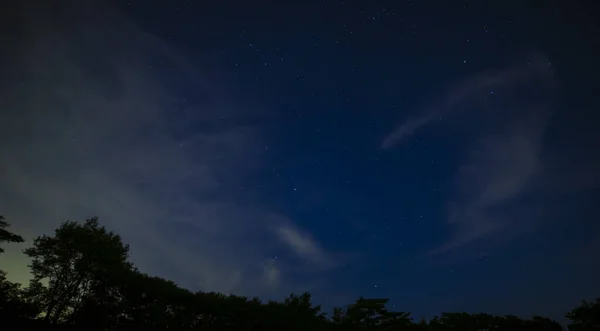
point(439, 153)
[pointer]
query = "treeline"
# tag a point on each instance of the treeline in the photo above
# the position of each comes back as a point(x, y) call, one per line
point(83, 280)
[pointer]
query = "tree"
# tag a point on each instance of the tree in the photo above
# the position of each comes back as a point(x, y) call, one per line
point(11, 301)
point(364, 314)
point(80, 264)
point(83, 280)
point(585, 317)
point(538, 323)
point(7, 236)
point(154, 303)
point(465, 322)
point(9, 294)
point(300, 309)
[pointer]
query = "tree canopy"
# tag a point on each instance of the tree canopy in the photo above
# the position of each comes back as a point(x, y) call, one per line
point(7, 236)
point(83, 279)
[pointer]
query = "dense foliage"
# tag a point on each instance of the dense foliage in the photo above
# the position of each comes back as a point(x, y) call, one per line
point(82, 279)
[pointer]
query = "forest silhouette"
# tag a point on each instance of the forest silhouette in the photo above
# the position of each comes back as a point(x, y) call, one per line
point(83, 280)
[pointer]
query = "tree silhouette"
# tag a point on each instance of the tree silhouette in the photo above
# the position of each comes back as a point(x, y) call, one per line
point(11, 295)
point(7, 236)
point(154, 302)
point(82, 280)
point(585, 317)
point(77, 263)
point(370, 314)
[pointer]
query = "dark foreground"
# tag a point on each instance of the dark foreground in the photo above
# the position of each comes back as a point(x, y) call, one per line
point(83, 280)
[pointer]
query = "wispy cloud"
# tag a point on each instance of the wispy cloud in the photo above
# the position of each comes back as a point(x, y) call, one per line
point(91, 127)
point(301, 243)
point(272, 272)
point(471, 95)
point(509, 110)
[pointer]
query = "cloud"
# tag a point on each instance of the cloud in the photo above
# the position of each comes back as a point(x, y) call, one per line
point(301, 243)
point(509, 110)
point(272, 272)
point(473, 92)
point(495, 173)
point(95, 123)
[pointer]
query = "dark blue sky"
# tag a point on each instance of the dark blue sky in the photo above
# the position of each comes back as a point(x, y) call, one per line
point(441, 154)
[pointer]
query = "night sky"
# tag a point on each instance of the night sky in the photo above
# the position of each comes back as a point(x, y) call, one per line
point(443, 154)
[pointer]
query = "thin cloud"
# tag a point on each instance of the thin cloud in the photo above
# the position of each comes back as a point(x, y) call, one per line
point(91, 128)
point(472, 92)
point(300, 242)
point(272, 272)
point(510, 109)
